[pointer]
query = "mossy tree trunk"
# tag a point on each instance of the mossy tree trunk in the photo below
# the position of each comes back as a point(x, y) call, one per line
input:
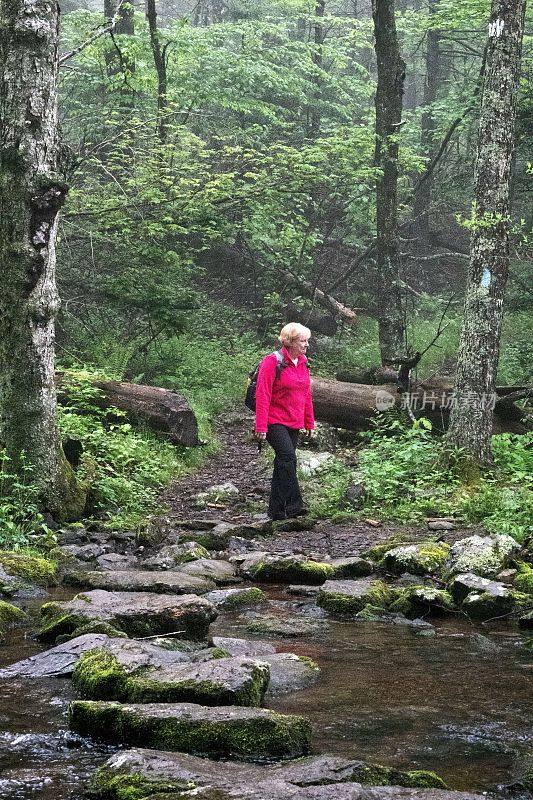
point(471, 419)
point(31, 194)
point(389, 94)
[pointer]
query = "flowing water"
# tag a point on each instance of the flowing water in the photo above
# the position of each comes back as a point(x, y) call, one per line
point(458, 702)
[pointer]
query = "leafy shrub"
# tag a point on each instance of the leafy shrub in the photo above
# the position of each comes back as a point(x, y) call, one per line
point(21, 522)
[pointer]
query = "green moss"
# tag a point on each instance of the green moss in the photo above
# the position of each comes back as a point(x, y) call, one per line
point(416, 601)
point(524, 580)
point(33, 568)
point(244, 597)
point(276, 735)
point(370, 613)
point(421, 778)
point(192, 555)
point(483, 605)
point(109, 786)
point(378, 775)
point(56, 623)
point(309, 662)
point(290, 570)
point(378, 594)
point(418, 559)
point(9, 615)
point(219, 652)
point(99, 675)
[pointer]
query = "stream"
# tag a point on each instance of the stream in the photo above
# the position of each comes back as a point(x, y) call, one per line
point(458, 702)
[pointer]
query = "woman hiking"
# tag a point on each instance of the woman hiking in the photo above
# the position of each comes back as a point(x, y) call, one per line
point(283, 407)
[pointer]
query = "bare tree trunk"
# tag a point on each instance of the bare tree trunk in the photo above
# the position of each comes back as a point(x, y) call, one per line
point(160, 63)
point(391, 74)
point(424, 188)
point(318, 37)
point(124, 11)
point(471, 421)
point(31, 194)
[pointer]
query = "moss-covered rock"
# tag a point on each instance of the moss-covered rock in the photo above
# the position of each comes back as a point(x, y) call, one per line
point(10, 615)
point(482, 555)
point(232, 731)
point(33, 568)
point(418, 601)
point(232, 599)
point(417, 559)
point(344, 597)
point(289, 569)
point(491, 604)
point(142, 673)
point(524, 579)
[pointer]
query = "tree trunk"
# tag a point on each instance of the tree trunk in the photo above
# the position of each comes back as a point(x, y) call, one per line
point(471, 422)
point(318, 41)
point(354, 405)
point(124, 11)
point(391, 74)
point(424, 188)
point(161, 69)
point(31, 194)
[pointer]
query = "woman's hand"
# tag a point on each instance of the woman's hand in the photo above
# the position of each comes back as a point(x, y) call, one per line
point(260, 436)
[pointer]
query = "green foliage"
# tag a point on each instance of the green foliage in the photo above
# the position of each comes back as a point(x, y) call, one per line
point(21, 522)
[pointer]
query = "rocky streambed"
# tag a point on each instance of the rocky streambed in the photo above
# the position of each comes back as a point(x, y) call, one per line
point(211, 663)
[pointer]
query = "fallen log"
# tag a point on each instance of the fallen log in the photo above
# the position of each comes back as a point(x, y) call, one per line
point(354, 405)
point(163, 411)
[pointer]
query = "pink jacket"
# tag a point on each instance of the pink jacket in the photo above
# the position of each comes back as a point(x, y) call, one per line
point(287, 399)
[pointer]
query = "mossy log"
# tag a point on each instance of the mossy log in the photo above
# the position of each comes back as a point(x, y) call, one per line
point(353, 405)
point(163, 411)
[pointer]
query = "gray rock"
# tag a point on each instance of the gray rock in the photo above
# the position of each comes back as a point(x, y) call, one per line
point(231, 599)
point(419, 559)
point(284, 626)
point(441, 525)
point(221, 572)
point(496, 601)
point(304, 591)
point(348, 596)
point(85, 552)
point(311, 463)
point(171, 582)
point(351, 567)
point(134, 613)
point(281, 568)
point(234, 731)
point(309, 778)
point(174, 555)
point(115, 561)
point(57, 662)
point(482, 555)
point(461, 585)
point(290, 673)
point(355, 494)
point(10, 585)
point(507, 575)
point(242, 647)
point(139, 671)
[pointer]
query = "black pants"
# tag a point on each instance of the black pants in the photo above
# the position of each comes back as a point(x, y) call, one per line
point(285, 497)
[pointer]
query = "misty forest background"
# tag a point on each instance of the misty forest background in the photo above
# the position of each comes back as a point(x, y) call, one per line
point(192, 232)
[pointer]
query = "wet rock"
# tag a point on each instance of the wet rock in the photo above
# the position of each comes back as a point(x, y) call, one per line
point(141, 581)
point(10, 584)
point(242, 647)
point(274, 568)
point(375, 614)
point(77, 536)
point(85, 552)
point(351, 567)
point(174, 555)
point(219, 571)
point(418, 559)
point(231, 599)
point(234, 731)
point(31, 569)
point(349, 596)
point(313, 777)
point(134, 613)
point(10, 615)
point(304, 591)
point(482, 555)
point(116, 561)
point(417, 601)
point(141, 672)
point(461, 585)
point(494, 601)
point(284, 626)
point(290, 673)
point(57, 662)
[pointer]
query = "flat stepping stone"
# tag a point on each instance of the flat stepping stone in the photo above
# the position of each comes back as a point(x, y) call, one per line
point(272, 568)
point(287, 626)
point(231, 599)
point(57, 662)
point(161, 582)
point(221, 572)
point(290, 673)
point(133, 613)
point(349, 596)
point(233, 731)
point(139, 672)
point(351, 567)
point(242, 647)
point(313, 777)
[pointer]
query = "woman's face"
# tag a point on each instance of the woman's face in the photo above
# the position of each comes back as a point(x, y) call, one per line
point(299, 346)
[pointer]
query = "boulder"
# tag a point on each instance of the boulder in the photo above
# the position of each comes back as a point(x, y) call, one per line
point(290, 673)
point(461, 585)
point(174, 555)
point(482, 555)
point(231, 599)
point(133, 580)
point(351, 567)
point(150, 772)
point(419, 601)
point(234, 731)
point(349, 596)
point(116, 561)
point(497, 600)
point(10, 615)
point(221, 572)
point(275, 568)
point(33, 569)
point(84, 552)
point(440, 525)
point(140, 672)
point(133, 613)
point(242, 647)
point(418, 559)
point(58, 662)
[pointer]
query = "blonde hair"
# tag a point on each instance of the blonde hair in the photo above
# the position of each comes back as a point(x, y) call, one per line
point(291, 331)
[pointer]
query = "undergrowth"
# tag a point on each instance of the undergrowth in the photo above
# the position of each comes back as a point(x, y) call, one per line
point(404, 481)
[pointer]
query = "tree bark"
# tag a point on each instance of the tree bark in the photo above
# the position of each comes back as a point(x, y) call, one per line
point(354, 405)
point(471, 422)
point(391, 74)
point(318, 41)
point(424, 189)
point(124, 12)
point(31, 194)
point(161, 69)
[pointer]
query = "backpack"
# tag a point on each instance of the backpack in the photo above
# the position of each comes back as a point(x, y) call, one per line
point(249, 399)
